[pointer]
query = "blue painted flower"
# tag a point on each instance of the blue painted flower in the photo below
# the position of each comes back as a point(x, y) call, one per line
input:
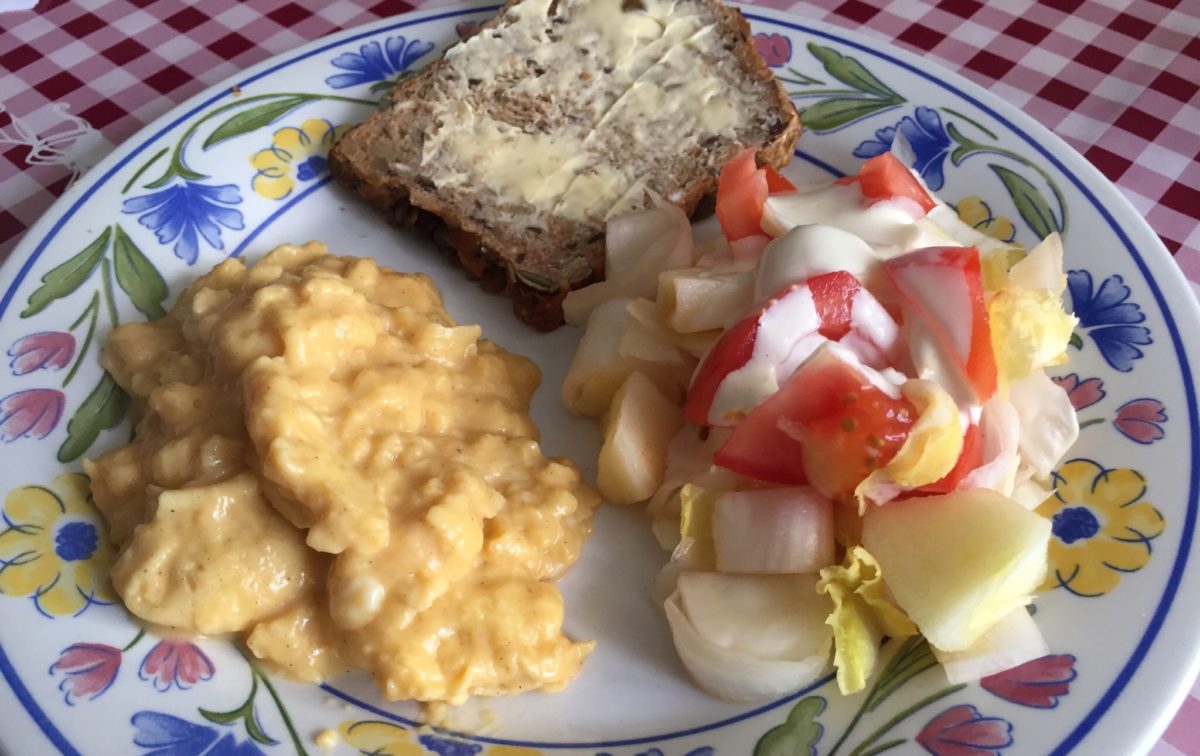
point(701, 751)
point(925, 134)
point(167, 735)
point(1110, 319)
point(184, 212)
point(448, 747)
point(374, 63)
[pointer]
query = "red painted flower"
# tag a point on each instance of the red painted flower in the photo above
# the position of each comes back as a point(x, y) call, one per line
point(33, 413)
point(1141, 420)
point(1082, 393)
point(775, 49)
point(177, 663)
point(1038, 683)
point(962, 731)
point(467, 29)
point(47, 349)
point(88, 669)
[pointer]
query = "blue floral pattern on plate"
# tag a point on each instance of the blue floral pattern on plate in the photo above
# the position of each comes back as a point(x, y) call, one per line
point(186, 211)
point(925, 134)
point(1109, 318)
point(373, 63)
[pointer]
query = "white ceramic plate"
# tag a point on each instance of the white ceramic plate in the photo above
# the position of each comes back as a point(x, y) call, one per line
point(203, 183)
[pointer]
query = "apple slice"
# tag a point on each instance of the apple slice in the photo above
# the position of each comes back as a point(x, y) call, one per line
point(958, 563)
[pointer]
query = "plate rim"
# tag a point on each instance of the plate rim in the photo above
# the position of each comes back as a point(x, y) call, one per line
point(1176, 297)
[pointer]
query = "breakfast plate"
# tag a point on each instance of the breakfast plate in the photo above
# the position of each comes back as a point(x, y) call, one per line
point(241, 168)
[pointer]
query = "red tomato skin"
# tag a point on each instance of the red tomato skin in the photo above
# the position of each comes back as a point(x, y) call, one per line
point(833, 294)
point(980, 365)
point(970, 458)
point(741, 192)
point(731, 351)
point(836, 410)
point(885, 177)
point(776, 183)
point(772, 456)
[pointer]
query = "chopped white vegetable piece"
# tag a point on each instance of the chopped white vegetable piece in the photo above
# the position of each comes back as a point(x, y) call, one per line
point(598, 369)
point(773, 531)
point(637, 430)
point(749, 637)
point(1012, 641)
point(1049, 425)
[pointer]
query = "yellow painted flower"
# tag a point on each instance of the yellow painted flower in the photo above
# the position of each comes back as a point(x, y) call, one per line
point(976, 213)
point(1102, 528)
point(376, 738)
point(380, 738)
point(54, 547)
point(295, 154)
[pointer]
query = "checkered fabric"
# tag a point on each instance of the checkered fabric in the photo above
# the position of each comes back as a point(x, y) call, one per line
point(1117, 79)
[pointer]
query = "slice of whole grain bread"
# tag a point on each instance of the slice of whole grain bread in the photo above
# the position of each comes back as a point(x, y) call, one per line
point(516, 145)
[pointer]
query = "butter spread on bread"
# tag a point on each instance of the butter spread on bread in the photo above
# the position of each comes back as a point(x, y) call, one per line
point(525, 138)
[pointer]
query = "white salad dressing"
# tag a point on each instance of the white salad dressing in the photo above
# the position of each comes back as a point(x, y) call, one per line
point(811, 250)
point(887, 223)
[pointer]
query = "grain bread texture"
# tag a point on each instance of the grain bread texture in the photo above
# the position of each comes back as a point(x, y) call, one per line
point(515, 146)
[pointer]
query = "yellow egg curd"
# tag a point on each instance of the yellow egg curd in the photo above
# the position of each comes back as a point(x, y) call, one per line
point(330, 467)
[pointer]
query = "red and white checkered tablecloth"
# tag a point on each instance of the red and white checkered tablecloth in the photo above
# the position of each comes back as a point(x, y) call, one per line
point(1117, 79)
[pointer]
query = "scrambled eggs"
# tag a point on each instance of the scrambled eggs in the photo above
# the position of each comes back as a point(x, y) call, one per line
point(326, 464)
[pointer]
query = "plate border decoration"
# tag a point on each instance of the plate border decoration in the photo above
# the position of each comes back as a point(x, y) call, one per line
point(207, 99)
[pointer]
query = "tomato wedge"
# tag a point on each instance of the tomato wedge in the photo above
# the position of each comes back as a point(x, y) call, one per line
point(776, 183)
point(943, 288)
point(821, 305)
point(884, 177)
point(732, 351)
point(833, 294)
point(828, 424)
point(741, 192)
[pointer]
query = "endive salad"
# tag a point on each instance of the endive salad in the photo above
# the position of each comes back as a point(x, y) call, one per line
point(838, 416)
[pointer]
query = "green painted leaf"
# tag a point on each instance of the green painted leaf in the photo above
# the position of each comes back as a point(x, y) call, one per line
point(222, 717)
point(798, 735)
point(834, 112)
point(795, 77)
point(850, 72)
point(68, 276)
point(1030, 203)
point(101, 410)
point(1075, 340)
point(256, 118)
point(913, 658)
point(138, 277)
point(387, 84)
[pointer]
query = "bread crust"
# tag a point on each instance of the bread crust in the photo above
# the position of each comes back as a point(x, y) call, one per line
point(535, 282)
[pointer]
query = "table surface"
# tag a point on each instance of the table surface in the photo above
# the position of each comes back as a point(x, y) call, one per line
point(1118, 80)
